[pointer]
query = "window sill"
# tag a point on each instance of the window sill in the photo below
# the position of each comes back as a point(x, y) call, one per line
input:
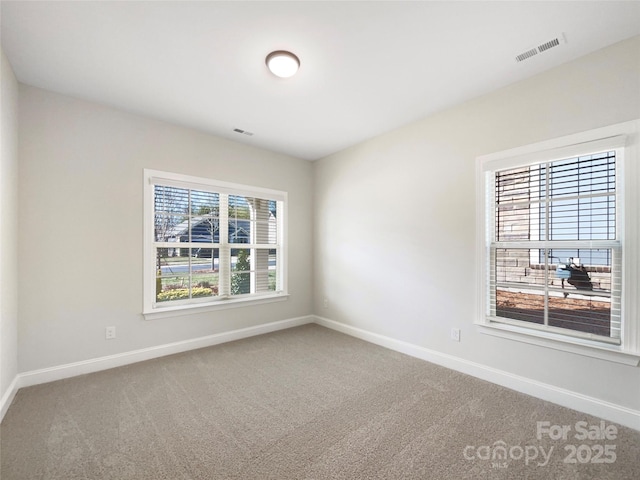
point(559, 342)
point(180, 310)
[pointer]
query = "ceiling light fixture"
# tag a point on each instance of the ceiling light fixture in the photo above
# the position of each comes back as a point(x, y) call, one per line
point(282, 64)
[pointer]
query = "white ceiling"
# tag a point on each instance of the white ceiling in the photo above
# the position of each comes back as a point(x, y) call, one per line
point(367, 67)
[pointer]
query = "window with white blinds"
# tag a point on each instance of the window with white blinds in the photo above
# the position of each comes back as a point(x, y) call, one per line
point(557, 244)
point(209, 243)
point(555, 254)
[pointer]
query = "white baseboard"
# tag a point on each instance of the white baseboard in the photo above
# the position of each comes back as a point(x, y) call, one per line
point(566, 398)
point(59, 372)
point(576, 401)
point(8, 396)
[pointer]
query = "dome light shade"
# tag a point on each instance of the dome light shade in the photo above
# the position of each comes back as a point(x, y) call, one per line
point(282, 63)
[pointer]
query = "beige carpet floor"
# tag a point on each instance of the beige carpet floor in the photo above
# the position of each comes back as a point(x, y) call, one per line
point(304, 403)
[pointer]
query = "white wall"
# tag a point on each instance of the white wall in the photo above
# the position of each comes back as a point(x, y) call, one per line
point(395, 220)
point(8, 229)
point(80, 192)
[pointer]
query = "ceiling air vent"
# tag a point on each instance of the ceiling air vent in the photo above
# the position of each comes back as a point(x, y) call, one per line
point(243, 132)
point(527, 54)
point(541, 48)
point(547, 45)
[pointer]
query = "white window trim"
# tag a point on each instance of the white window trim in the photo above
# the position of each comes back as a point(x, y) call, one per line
point(625, 135)
point(152, 311)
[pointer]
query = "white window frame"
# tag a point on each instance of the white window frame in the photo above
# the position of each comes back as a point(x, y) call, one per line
point(625, 139)
point(153, 310)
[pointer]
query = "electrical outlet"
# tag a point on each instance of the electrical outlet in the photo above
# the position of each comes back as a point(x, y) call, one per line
point(455, 334)
point(110, 333)
point(326, 302)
